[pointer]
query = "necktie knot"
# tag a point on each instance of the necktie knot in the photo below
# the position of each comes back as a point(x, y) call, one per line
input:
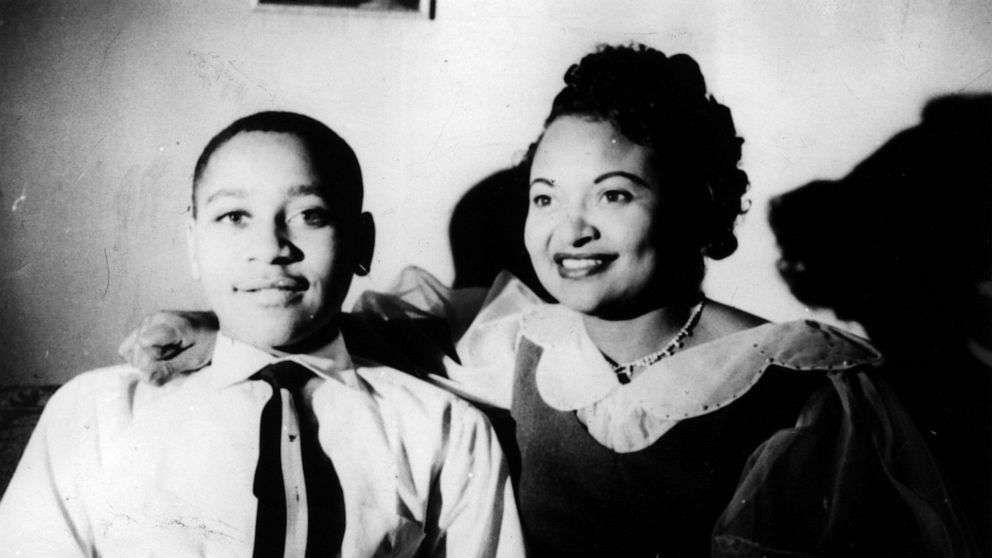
point(284, 374)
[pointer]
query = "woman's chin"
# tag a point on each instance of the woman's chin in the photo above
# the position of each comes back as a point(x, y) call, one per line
point(590, 304)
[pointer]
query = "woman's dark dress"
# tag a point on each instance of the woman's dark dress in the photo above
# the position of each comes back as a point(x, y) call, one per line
point(803, 442)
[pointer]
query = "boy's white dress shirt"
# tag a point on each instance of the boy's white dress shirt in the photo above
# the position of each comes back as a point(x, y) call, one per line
point(118, 467)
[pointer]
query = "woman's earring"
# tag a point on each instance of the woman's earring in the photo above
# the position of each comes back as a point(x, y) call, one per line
point(362, 269)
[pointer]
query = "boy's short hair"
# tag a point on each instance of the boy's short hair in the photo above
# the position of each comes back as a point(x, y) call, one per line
point(331, 157)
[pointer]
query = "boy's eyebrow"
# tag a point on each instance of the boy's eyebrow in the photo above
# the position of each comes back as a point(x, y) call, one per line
point(307, 189)
point(238, 193)
point(623, 174)
point(226, 193)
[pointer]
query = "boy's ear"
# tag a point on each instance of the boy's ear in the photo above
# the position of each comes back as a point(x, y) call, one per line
point(191, 247)
point(365, 245)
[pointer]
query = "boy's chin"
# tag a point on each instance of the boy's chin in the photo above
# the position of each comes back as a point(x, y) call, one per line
point(285, 338)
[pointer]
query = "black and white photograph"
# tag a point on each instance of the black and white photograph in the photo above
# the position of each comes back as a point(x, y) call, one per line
point(503, 279)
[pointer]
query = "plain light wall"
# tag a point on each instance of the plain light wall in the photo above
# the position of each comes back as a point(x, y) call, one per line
point(104, 107)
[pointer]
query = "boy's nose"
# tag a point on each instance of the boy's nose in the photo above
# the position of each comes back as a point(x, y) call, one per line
point(269, 244)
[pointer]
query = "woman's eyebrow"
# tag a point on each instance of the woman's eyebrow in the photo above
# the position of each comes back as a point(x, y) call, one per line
point(546, 181)
point(629, 176)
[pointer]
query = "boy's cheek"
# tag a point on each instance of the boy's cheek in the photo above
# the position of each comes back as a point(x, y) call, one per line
point(212, 250)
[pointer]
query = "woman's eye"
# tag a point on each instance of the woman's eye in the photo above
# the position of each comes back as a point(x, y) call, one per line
point(541, 200)
point(617, 196)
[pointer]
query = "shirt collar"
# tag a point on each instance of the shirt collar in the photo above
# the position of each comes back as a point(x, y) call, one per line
point(235, 361)
point(572, 373)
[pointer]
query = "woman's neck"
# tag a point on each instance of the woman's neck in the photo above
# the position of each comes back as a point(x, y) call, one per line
point(628, 339)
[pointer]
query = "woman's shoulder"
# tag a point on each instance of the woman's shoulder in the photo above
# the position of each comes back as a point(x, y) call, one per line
point(809, 345)
point(720, 320)
point(845, 430)
point(798, 345)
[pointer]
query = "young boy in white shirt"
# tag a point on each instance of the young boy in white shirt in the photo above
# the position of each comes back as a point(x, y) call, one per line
point(319, 455)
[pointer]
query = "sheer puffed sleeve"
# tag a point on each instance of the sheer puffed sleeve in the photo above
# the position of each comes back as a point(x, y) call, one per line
point(853, 478)
point(460, 339)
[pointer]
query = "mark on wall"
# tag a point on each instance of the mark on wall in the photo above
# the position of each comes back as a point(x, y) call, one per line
point(20, 199)
point(215, 72)
point(106, 262)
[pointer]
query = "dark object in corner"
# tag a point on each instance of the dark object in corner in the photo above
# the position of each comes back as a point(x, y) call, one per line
point(903, 245)
point(20, 408)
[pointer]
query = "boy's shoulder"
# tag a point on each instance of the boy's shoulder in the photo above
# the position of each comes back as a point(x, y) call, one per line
point(89, 400)
point(413, 397)
point(99, 383)
point(390, 382)
point(400, 419)
point(115, 390)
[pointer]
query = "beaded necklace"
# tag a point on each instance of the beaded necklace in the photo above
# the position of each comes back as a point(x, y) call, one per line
point(625, 372)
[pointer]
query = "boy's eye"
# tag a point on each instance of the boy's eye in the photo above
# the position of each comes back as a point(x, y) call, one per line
point(233, 217)
point(315, 217)
point(541, 200)
point(617, 196)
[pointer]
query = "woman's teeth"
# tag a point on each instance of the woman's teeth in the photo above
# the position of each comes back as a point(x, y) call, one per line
point(580, 263)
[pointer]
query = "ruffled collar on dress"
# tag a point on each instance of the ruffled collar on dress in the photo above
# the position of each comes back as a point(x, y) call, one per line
point(572, 373)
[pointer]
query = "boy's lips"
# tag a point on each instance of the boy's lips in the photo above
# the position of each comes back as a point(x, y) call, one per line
point(281, 283)
point(274, 291)
point(576, 266)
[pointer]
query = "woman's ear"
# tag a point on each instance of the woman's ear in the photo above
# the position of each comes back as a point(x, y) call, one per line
point(365, 246)
point(191, 247)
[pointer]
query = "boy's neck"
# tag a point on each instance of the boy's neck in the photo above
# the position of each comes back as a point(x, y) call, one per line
point(319, 343)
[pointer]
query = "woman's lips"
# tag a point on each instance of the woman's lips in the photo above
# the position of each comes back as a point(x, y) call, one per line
point(577, 266)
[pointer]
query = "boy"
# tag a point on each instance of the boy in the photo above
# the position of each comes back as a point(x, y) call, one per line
point(283, 445)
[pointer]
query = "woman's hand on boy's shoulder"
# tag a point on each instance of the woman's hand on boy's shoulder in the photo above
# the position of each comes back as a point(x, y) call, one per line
point(168, 343)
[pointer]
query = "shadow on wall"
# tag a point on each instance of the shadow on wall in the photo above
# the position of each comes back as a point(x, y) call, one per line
point(486, 232)
point(903, 245)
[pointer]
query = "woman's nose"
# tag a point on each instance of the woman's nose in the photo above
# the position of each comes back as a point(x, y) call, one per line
point(580, 228)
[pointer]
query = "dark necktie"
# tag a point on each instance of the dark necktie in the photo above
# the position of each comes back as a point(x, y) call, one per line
point(325, 502)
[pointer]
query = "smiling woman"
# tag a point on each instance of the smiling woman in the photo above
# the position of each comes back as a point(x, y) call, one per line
point(634, 180)
point(649, 419)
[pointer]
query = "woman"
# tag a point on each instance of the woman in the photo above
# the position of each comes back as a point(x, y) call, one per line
point(650, 420)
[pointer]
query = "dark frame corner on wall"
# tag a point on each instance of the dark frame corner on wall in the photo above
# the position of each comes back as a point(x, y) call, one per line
point(386, 8)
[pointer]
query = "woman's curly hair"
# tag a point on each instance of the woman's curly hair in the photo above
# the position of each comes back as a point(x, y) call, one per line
point(660, 102)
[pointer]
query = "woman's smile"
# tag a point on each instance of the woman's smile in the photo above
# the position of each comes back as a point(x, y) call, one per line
point(578, 266)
